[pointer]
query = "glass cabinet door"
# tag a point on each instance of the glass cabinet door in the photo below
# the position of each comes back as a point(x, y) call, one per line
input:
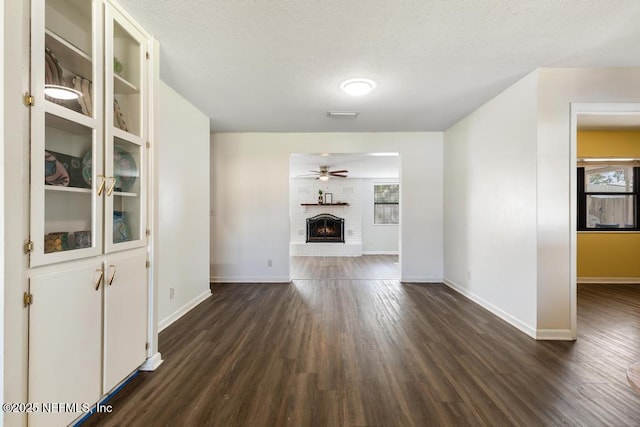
point(125, 133)
point(66, 135)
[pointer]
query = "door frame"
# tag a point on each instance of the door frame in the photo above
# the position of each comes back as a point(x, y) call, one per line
point(578, 109)
point(399, 155)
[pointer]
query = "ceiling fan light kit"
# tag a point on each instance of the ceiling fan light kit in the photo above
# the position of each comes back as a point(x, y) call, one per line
point(323, 173)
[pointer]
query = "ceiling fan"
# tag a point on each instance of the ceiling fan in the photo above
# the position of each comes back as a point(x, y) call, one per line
point(323, 174)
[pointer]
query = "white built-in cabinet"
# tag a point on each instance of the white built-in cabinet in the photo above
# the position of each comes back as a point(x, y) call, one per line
point(88, 244)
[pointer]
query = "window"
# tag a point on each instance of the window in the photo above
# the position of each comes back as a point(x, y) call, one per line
point(608, 197)
point(386, 203)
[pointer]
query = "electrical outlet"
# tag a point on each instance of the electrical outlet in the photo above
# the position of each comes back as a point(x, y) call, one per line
point(269, 263)
point(172, 293)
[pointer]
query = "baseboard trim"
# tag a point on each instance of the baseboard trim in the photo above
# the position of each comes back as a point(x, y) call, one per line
point(380, 252)
point(152, 363)
point(609, 280)
point(420, 279)
point(513, 321)
point(220, 279)
point(555, 335)
point(164, 323)
point(104, 399)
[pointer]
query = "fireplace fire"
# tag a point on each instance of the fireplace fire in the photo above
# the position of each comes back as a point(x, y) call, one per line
point(325, 228)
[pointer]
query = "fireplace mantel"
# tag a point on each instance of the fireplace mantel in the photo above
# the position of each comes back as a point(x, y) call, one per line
point(325, 204)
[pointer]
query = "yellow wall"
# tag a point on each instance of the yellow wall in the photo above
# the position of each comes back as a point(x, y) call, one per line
point(607, 254)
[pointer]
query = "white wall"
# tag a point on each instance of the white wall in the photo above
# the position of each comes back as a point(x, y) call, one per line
point(377, 238)
point(512, 260)
point(490, 205)
point(182, 150)
point(250, 199)
point(558, 88)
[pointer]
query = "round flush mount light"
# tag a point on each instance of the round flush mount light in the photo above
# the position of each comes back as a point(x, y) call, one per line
point(357, 87)
point(61, 92)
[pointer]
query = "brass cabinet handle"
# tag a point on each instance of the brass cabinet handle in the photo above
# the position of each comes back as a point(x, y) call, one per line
point(113, 276)
point(101, 188)
point(113, 185)
point(99, 279)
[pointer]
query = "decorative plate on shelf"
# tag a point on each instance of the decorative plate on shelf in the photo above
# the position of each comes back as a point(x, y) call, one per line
point(125, 170)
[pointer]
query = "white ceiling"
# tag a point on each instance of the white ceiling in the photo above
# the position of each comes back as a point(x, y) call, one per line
point(276, 65)
point(359, 165)
point(617, 121)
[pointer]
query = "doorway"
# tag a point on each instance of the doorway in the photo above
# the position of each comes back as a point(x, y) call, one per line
point(362, 192)
point(605, 153)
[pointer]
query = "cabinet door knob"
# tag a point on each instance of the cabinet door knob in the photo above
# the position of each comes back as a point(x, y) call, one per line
point(99, 279)
point(113, 276)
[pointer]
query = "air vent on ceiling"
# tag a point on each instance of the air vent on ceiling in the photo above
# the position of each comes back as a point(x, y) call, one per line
point(342, 114)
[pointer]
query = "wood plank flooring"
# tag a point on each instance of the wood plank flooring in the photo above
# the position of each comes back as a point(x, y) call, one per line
point(361, 267)
point(335, 352)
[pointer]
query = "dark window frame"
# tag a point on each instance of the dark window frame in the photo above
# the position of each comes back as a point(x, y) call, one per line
point(582, 202)
point(376, 203)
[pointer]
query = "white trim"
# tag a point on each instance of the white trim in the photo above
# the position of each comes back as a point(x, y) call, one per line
point(493, 309)
point(609, 280)
point(183, 310)
point(573, 220)
point(2, 235)
point(555, 335)
point(256, 280)
point(152, 363)
point(420, 279)
point(152, 198)
point(380, 252)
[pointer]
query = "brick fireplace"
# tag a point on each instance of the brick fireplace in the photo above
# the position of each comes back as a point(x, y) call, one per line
point(303, 201)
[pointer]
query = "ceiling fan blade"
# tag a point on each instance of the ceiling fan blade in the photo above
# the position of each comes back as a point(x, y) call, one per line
point(340, 171)
point(315, 172)
point(338, 175)
point(306, 175)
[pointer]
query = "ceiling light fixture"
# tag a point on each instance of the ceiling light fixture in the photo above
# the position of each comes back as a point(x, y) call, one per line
point(61, 92)
point(357, 87)
point(342, 114)
point(323, 177)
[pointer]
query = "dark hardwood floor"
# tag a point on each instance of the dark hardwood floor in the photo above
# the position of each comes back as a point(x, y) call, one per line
point(335, 352)
point(361, 267)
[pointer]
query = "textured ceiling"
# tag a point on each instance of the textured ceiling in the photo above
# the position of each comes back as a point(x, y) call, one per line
point(276, 65)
